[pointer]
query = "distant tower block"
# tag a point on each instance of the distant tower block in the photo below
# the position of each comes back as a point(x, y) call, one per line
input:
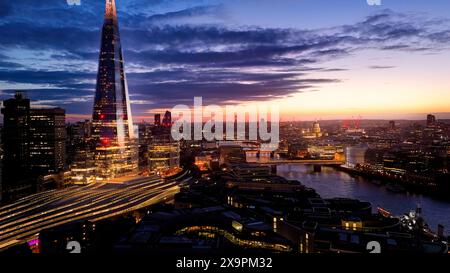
point(167, 120)
point(157, 119)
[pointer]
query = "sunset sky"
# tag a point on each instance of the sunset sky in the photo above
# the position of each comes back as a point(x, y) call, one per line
point(317, 59)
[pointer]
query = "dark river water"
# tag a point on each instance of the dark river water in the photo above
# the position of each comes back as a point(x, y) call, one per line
point(334, 183)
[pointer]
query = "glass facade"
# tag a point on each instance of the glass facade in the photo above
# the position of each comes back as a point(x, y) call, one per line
point(47, 136)
point(116, 149)
point(164, 157)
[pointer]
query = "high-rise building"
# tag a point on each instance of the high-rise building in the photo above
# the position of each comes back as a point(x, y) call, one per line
point(78, 138)
point(163, 155)
point(16, 113)
point(167, 120)
point(431, 120)
point(82, 167)
point(34, 145)
point(79, 132)
point(47, 136)
point(157, 121)
point(15, 138)
point(145, 139)
point(113, 131)
point(145, 133)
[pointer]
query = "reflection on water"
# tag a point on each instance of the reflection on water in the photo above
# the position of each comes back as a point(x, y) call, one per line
point(333, 183)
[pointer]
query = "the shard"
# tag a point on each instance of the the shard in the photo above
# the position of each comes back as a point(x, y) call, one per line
point(115, 152)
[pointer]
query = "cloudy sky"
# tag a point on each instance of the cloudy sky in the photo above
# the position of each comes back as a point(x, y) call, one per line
point(317, 59)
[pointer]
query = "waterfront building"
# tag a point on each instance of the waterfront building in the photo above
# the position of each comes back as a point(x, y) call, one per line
point(298, 150)
point(326, 152)
point(355, 155)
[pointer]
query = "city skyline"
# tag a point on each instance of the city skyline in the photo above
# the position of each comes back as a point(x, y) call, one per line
point(208, 167)
point(374, 64)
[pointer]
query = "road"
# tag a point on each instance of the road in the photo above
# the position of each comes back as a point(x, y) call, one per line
point(26, 217)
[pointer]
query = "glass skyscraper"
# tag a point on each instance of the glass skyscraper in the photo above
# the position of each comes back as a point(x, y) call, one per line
point(115, 153)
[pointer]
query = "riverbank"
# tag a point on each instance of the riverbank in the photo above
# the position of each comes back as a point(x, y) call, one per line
point(331, 183)
point(402, 184)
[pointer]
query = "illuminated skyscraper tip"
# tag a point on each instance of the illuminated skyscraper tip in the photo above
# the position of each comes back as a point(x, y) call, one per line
point(112, 120)
point(111, 11)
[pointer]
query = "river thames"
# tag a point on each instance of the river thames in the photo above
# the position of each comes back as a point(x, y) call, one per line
point(330, 183)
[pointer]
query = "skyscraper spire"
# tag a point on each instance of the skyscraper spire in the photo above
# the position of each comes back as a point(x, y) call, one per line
point(112, 121)
point(110, 10)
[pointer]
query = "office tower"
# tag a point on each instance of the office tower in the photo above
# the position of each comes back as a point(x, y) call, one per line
point(79, 132)
point(431, 120)
point(145, 133)
point(115, 153)
point(34, 145)
point(82, 167)
point(16, 164)
point(78, 137)
point(163, 155)
point(16, 113)
point(47, 136)
point(157, 119)
point(167, 120)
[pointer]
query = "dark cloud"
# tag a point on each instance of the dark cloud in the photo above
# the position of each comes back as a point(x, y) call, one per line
point(44, 77)
point(9, 65)
point(395, 47)
point(218, 86)
point(382, 16)
point(177, 37)
point(381, 67)
point(38, 37)
point(185, 13)
point(258, 54)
